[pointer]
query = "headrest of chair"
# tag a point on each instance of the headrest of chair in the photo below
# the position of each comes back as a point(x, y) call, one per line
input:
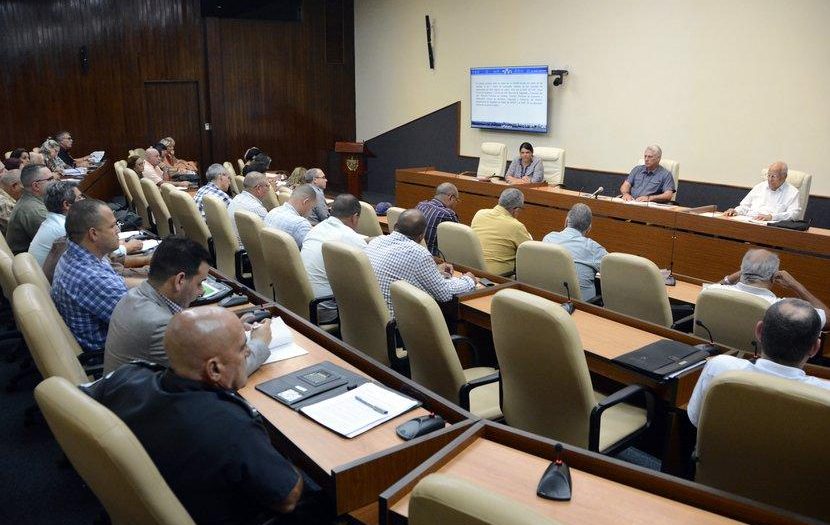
point(493, 148)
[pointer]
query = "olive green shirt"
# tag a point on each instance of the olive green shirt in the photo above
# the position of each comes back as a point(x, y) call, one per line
point(28, 214)
point(7, 203)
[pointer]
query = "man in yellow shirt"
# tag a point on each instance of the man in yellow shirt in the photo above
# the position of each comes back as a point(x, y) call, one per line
point(500, 232)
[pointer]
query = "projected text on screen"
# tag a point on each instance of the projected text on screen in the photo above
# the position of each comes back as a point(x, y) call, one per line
point(509, 98)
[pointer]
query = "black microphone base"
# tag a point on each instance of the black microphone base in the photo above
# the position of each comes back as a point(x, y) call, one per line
point(569, 307)
point(708, 348)
point(555, 483)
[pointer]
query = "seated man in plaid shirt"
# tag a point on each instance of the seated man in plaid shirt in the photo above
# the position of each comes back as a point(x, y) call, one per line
point(400, 256)
point(437, 210)
point(218, 183)
point(86, 288)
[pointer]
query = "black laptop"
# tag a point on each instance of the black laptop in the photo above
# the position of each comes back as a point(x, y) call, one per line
point(662, 358)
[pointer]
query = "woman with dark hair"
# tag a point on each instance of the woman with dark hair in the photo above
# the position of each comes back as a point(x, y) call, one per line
point(260, 163)
point(18, 159)
point(525, 168)
point(250, 153)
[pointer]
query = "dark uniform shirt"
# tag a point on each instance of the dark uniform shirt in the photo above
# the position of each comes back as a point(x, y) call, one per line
point(66, 157)
point(209, 445)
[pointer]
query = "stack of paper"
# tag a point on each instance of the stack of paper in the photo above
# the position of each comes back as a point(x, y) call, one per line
point(149, 244)
point(282, 342)
point(96, 156)
point(356, 411)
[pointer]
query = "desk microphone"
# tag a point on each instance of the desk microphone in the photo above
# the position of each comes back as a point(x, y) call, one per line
point(580, 191)
point(556, 481)
point(709, 348)
point(599, 190)
point(671, 280)
point(568, 306)
point(754, 350)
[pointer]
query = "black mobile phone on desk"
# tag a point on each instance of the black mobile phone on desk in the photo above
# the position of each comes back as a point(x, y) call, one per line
point(486, 282)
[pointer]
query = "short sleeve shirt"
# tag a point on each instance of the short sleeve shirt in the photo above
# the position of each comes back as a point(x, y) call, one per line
point(644, 183)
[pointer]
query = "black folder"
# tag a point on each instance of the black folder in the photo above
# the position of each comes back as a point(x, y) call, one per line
point(311, 384)
point(662, 358)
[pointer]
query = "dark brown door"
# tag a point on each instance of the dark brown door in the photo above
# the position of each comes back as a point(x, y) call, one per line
point(173, 111)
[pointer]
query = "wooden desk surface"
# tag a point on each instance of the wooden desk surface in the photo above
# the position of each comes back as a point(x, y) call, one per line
point(515, 474)
point(684, 291)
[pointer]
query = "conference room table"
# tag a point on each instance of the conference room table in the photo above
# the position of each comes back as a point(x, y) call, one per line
point(697, 242)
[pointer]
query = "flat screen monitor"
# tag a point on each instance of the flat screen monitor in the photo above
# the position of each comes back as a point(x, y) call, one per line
point(513, 98)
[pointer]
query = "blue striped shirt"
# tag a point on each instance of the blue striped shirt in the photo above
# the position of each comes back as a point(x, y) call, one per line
point(435, 213)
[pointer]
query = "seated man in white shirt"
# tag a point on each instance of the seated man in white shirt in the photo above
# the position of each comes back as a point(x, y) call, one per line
point(291, 217)
point(587, 253)
point(340, 226)
point(789, 336)
point(759, 271)
point(773, 200)
point(401, 256)
point(255, 187)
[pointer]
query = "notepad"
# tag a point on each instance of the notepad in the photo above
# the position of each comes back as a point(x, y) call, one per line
point(149, 244)
point(282, 344)
point(358, 410)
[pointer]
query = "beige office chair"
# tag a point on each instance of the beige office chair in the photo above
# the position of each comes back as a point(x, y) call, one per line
point(7, 279)
point(269, 200)
point(433, 359)
point(108, 456)
point(673, 167)
point(142, 206)
point(368, 224)
point(122, 181)
point(493, 160)
point(553, 161)
point(546, 386)
point(241, 164)
point(27, 270)
point(240, 182)
point(8, 154)
point(730, 316)
point(232, 176)
point(364, 318)
point(54, 349)
point(459, 244)
point(161, 214)
point(763, 437)
point(228, 252)
point(166, 189)
point(141, 152)
point(802, 182)
point(547, 266)
point(184, 211)
point(448, 500)
point(392, 215)
point(4, 246)
point(283, 194)
point(634, 286)
point(249, 227)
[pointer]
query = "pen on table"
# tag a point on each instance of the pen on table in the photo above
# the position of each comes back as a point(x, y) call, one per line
point(370, 405)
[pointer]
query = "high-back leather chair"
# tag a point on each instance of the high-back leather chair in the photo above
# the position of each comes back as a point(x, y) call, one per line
point(53, 347)
point(228, 252)
point(433, 359)
point(4, 246)
point(7, 279)
point(459, 244)
point(283, 194)
point(270, 200)
point(240, 182)
point(241, 164)
point(291, 286)
point(183, 209)
point(392, 215)
point(492, 161)
point(763, 437)
point(249, 227)
point(802, 182)
point(730, 316)
point(232, 176)
point(634, 286)
point(547, 266)
point(27, 270)
point(368, 223)
point(142, 207)
point(673, 167)
point(546, 386)
point(108, 456)
point(449, 500)
point(364, 318)
point(553, 162)
point(161, 214)
point(122, 181)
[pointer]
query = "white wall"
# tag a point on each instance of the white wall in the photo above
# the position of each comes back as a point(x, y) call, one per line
point(724, 86)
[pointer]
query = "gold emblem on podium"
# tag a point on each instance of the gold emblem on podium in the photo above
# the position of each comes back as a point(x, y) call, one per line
point(352, 163)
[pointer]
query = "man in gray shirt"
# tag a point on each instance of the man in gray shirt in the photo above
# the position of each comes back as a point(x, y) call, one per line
point(139, 320)
point(317, 179)
point(586, 253)
point(29, 212)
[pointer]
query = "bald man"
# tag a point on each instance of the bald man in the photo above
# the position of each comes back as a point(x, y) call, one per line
point(772, 200)
point(208, 443)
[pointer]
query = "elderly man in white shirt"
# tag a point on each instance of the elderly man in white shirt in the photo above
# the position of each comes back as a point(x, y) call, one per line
point(759, 272)
point(340, 226)
point(773, 200)
point(255, 187)
point(292, 216)
point(789, 336)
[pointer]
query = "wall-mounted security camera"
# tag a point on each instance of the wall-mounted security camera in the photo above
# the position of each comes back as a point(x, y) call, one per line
point(558, 76)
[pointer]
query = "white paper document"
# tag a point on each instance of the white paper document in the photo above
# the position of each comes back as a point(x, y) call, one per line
point(282, 344)
point(746, 218)
point(96, 156)
point(123, 236)
point(356, 411)
point(149, 244)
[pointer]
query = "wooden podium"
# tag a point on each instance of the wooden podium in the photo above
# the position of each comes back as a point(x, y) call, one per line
point(353, 157)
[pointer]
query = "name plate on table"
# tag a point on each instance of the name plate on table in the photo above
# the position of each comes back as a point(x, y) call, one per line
point(663, 359)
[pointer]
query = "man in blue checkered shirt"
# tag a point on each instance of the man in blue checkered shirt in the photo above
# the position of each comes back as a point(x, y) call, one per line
point(437, 210)
point(85, 288)
point(400, 256)
point(218, 183)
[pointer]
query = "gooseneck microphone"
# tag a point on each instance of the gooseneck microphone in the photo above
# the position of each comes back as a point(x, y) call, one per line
point(599, 190)
point(568, 306)
point(556, 481)
point(754, 350)
point(710, 348)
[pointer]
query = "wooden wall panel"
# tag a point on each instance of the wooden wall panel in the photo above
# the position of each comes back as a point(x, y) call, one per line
point(259, 83)
point(272, 87)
